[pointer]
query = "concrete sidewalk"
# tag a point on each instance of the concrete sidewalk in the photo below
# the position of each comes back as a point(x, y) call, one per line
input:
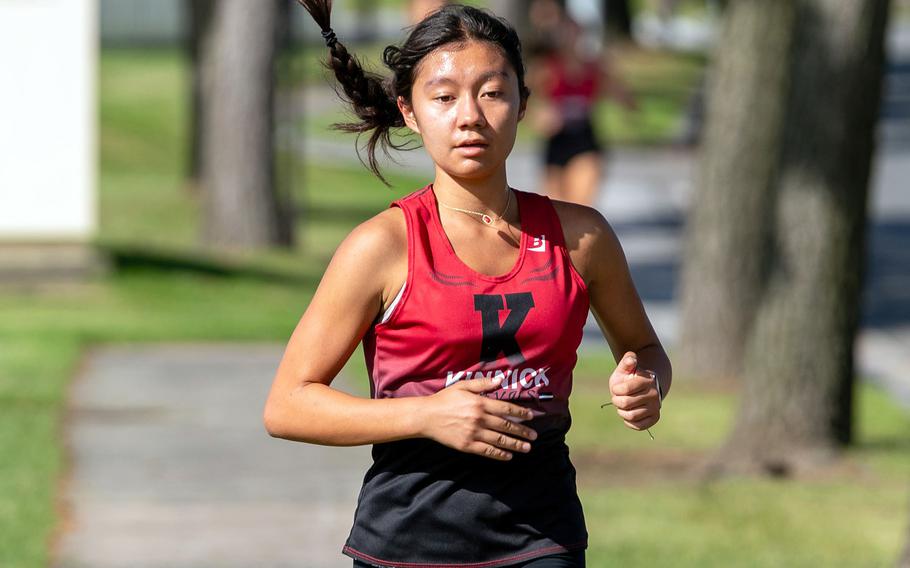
point(172, 467)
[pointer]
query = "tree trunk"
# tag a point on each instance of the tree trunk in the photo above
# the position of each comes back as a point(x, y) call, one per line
point(725, 256)
point(617, 19)
point(242, 208)
point(799, 370)
point(198, 17)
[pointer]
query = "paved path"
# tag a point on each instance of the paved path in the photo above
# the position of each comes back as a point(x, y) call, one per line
point(172, 468)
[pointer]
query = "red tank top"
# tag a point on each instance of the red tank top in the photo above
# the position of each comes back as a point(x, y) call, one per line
point(575, 96)
point(453, 323)
point(423, 504)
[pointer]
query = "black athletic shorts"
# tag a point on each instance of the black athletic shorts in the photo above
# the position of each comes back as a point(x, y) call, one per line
point(573, 559)
point(574, 139)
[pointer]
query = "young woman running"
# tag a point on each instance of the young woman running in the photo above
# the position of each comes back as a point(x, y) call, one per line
point(470, 298)
point(571, 82)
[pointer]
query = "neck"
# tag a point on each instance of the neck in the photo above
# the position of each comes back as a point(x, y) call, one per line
point(483, 194)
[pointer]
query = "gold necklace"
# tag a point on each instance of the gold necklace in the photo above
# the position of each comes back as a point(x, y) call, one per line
point(487, 220)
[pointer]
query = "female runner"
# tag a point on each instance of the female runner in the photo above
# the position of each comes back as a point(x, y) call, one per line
point(572, 82)
point(470, 298)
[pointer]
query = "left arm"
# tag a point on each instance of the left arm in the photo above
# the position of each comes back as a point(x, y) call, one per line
point(599, 258)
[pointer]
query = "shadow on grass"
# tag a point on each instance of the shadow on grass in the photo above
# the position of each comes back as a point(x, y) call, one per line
point(125, 258)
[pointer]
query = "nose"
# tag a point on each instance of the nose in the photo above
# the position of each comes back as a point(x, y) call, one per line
point(470, 114)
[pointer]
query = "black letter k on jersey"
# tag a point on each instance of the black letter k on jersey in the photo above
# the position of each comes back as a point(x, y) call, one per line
point(497, 338)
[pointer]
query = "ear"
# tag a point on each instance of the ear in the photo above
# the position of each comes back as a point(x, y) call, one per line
point(407, 111)
point(522, 107)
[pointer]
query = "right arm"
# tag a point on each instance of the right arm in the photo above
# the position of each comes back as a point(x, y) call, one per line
point(302, 405)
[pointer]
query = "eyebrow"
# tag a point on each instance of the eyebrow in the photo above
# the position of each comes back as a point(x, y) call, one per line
point(483, 78)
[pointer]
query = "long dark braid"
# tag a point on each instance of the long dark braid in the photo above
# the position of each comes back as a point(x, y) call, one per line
point(366, 92)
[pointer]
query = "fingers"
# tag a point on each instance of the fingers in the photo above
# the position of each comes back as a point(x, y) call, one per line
point(638, 414)
point(634, 385)
point(628, 363)
point(641, 410)
point(499, 446)
point(502, 434)
point(635, 401)
point(625, 370)
point(504, 442)
point(480, 385)
point(506, 426)
point(635, 395)
point(488, 451)
point(496, 429)
point(644, 423)
point(498, 438)
point(508, 410)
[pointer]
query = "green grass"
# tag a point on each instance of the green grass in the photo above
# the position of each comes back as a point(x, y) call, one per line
point(902, 10)
point(745, 523)
point(643, 509)
point(165, 288)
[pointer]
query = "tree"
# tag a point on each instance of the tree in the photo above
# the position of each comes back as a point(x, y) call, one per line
point(241, 206)
point(731, 211)
point(198, 17)
point(796, 408)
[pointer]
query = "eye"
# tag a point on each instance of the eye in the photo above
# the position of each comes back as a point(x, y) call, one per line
point(444, 98)
point(493, 94)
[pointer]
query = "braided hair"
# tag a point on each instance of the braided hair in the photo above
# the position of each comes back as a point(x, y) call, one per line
point(374, 98)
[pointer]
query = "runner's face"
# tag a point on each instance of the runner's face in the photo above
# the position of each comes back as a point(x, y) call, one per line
point(465, 93)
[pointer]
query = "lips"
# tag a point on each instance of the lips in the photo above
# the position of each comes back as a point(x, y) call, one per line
point(472, 144)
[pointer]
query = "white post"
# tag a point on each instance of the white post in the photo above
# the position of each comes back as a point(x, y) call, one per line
point(48, 133)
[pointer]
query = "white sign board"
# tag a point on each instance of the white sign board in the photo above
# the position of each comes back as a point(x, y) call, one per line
point(48, 117)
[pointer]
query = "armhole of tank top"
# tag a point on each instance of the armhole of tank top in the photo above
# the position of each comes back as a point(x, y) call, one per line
point(563, 248)
point(574, 271)
point(390, 313)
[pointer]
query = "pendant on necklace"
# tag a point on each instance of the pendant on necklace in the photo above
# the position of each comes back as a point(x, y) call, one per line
point(487, 220)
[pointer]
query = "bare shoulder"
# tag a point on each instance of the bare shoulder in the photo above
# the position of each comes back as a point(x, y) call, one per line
point(374, 254)
point(580, 223)
point(589, 237)
point(382, 234)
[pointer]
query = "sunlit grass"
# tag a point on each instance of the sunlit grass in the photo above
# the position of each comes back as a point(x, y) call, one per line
point(646, 505)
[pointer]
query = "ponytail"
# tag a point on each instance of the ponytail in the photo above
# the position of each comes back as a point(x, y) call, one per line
point(372, 99)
